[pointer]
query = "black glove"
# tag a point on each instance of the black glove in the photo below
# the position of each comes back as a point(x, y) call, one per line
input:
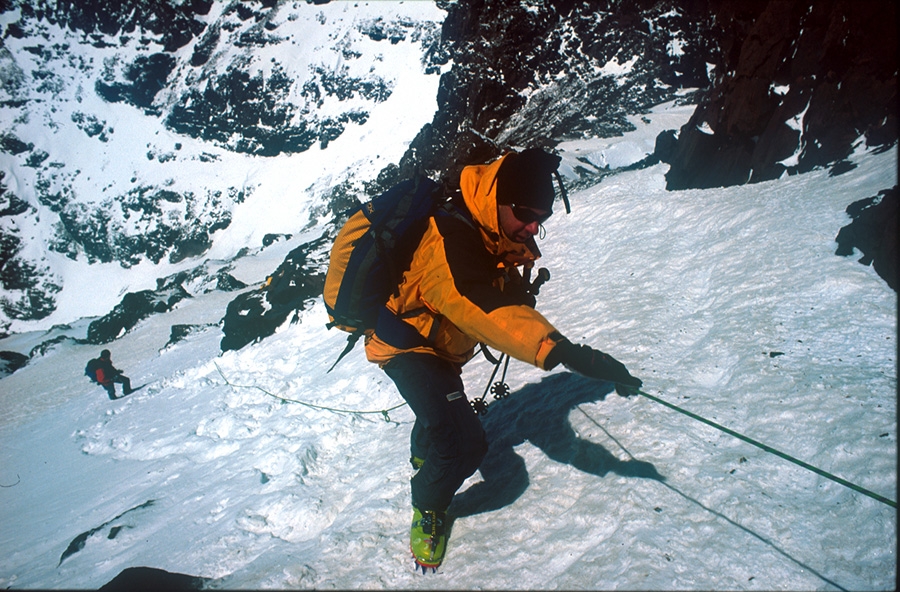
point(592, 363)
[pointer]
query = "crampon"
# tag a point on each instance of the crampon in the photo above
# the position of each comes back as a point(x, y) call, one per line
point(419, 565)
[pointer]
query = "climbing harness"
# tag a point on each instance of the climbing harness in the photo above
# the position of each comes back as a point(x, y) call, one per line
point(771, 450)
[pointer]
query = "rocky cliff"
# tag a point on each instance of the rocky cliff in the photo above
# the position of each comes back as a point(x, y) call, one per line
point(798, 86)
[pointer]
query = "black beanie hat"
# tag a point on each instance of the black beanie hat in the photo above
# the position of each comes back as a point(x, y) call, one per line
point(526, 179)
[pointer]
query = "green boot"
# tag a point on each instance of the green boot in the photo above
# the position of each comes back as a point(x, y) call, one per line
point(428, 539)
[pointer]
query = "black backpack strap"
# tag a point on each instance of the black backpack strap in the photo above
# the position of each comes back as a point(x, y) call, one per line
point(489, 356)
point(449, 208)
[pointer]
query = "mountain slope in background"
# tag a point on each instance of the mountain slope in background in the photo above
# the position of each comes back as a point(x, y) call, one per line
point(186, 115)
point(223, 80)
point(799, 86)
point(128, 155)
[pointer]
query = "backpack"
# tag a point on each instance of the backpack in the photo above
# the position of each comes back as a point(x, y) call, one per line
point(91, 369)
point(370, 253)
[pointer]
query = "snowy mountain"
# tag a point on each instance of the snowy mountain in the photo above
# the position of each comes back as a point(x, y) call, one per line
point(150, 144)
point(133, 152)
point(171, 177)
point(257, 469)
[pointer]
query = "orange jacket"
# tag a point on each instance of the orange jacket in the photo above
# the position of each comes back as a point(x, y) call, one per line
point(463, 286)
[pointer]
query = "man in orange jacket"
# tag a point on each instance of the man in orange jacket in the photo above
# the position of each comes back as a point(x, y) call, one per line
point(464, 287)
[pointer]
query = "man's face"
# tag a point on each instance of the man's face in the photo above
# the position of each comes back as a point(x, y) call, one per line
point(520, 223)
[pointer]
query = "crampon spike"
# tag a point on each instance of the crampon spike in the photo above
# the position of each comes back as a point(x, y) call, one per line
point(423, 567)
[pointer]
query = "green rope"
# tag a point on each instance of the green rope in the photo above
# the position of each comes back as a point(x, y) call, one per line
point(383, 412)
point(771, 450)
point(765, 447)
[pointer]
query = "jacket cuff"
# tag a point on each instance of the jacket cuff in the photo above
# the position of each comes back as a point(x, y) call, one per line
point(549, 356)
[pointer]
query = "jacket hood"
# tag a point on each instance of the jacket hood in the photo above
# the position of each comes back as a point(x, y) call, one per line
point(479, 189)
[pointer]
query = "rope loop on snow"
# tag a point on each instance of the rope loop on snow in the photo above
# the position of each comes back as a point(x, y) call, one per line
point(771, 450)
point(18, 480)
point(384, 412)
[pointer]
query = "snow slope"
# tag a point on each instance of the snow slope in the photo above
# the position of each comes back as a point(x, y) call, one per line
point(280, 194)
point(729, 303)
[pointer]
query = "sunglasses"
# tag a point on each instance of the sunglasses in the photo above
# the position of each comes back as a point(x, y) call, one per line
point(526, 215)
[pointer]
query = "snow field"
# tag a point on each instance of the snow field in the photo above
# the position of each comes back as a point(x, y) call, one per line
point(729, 303)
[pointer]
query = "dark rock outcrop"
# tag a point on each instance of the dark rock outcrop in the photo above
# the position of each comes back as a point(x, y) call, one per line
point(874, 233)
point(179, 333)
point(11, 361)
point(172, 24)
point(796, 85)
point(30, 288)
point(256, 314)
point(151, 579)
point(134, 307)
point(101, 231)
point(535, 75)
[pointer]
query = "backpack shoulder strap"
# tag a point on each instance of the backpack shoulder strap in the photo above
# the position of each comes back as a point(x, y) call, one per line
point(454, 210)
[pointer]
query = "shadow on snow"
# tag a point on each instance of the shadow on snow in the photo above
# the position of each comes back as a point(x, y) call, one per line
point(539, 413)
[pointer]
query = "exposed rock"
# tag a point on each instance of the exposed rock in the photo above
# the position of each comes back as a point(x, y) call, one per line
point(30, 287)
point(13, 145)
point(146, 76)
point(256, 314)
point(103, 231)
point(225, 282)
point(664, 148)
point(173, 24)
point(180, 332)
point(512, 63)
point(798, 84)
point(874, 232)
point(200, 280)
point(151, 579)
point(270, 239)
point(45, 346)
point(135, 307)
point(11, 361)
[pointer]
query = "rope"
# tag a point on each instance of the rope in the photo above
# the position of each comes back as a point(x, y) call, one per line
point(383, 412)
point(771, 450)
point(18, 480)
point(720, 515)
point(765, 447)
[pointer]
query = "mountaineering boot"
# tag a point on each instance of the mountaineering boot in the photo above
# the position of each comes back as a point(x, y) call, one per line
point(428, 539)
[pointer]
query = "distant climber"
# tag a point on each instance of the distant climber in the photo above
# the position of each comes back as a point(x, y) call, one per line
point(101, 371)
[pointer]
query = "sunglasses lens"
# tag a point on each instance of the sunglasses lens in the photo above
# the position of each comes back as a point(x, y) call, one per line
point(527, 215)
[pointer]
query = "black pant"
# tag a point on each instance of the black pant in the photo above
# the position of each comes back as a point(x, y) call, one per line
point(111, 387)
point(447, 433)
